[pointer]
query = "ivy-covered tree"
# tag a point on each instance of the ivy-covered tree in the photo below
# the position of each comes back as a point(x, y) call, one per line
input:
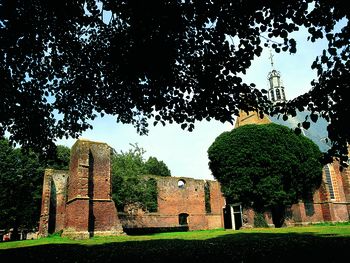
point(62, 63)
point(266, 167)
point(129, 184)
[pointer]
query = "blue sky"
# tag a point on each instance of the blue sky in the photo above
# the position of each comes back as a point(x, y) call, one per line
point(185, 153)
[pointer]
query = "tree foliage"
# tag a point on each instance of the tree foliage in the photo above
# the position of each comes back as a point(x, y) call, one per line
point(129, 183)
point(21, 179)
point(156, 167)
point(61, 160)
point(265, 166)
point(62, 63)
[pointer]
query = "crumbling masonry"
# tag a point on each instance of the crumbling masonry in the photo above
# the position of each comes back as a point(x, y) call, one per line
point(79, 202)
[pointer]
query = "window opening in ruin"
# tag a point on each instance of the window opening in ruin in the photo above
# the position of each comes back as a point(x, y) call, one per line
point(183, 219)
point(151, 195)
point(207, 197)
point(329, 182)
point(91, 218)
point(52, 209)
point(309, 207)
point(181, 183)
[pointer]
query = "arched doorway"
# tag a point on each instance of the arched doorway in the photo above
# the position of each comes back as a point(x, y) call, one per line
point(183, 219)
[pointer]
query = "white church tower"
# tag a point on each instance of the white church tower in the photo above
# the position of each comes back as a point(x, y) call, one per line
point(276, 90)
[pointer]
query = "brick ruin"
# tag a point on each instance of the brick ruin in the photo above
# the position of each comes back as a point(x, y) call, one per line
point(181, 202)
point(79, 202)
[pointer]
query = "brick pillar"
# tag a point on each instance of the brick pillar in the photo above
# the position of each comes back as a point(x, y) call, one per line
point(45, 204)
point(217, 203)
point(90, 209)
point(346, 184)
point(325, 203)
point(104, 219)
point(77, 206)
point(296, 213)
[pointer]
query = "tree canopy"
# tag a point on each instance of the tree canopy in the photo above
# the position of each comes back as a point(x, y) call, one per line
point(266, 167)
point(21, 180)
point(156, 167)
point(130, 186)
point(62, 63)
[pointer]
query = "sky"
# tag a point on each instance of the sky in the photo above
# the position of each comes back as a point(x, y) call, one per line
point(184, 152)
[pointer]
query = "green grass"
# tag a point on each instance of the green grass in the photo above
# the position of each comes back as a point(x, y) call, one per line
point(315, 243)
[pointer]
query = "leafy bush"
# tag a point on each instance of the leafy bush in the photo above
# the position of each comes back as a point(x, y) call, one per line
point(259, 220)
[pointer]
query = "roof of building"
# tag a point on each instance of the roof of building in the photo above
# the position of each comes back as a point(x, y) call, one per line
point(317, 131)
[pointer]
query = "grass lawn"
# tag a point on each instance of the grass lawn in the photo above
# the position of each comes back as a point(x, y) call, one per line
point(327, 243)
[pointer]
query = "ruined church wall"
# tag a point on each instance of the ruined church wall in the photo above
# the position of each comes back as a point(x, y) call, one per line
point(217, 202)
point(53, 202)
point(174, 200)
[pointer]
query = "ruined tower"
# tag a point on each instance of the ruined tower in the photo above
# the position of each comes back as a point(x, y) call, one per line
point(88, 206)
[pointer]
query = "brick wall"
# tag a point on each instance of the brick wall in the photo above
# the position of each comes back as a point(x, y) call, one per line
point(52, 216)
point(174, 200)
point(84, 205)
point(90, 209)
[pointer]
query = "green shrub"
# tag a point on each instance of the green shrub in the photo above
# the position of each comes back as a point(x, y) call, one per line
point(259, 220)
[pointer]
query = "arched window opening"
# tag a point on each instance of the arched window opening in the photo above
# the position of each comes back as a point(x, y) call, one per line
point(207, 197)
point(272, 95)
point(181, 183)
point(183, 219)
point(329, 182)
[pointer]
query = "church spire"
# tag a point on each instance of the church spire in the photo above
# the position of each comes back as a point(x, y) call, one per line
point(276, 90)
point(271, 59)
